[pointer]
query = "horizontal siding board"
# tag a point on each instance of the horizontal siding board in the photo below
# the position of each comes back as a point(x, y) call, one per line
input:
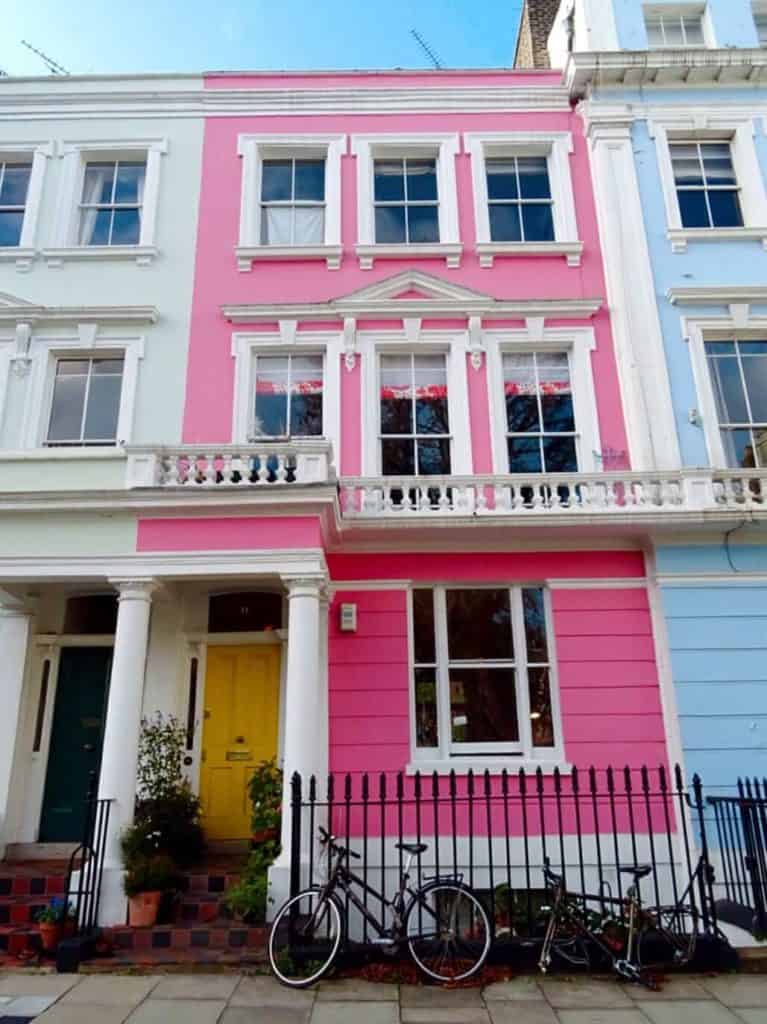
point(715, 601)
point(709, 558)
point(377, 624)
point(363, 703)
point(717, 666)
point(598, 674)
point(373, 676)
point(722, 698)
point(345, 731)
point(620, 728)
point(718, 634)
point(599, 599)
point(605, 648)
point(373, 600)
point(734, 732)
point(610, 622)
point(721, 769)
point(639, 700)
point(369, 649)
point(370, 757)
point(607, 752)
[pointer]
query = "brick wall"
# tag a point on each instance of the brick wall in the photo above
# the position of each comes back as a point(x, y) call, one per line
point(535, 25)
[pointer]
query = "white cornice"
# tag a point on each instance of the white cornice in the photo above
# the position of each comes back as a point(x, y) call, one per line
point(397, 309)
point(25, 312)
point(718, 295)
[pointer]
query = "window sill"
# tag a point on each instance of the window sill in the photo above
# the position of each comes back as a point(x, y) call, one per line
point(479, 765)
point(23, 257)
point(142, 254)
point(487, 251)
point(449, 251)
point(679, 237)
point(247, 254)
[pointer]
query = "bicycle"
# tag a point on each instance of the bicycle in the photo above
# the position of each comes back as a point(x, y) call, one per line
point(442, 923)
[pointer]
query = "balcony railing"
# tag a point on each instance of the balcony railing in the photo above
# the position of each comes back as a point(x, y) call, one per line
point(548, 494)
point(251, 465)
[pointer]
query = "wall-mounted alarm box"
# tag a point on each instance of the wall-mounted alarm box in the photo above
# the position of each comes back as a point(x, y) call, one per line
point(348, 618)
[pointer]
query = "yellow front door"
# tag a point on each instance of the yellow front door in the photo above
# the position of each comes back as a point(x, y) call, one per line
point(242, 689)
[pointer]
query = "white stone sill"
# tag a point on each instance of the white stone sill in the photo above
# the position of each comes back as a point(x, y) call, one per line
point(462, 766)
point(451, 252)
point(142, 254)
point(487, 251)
point(248, 254)
point(680, 237)
point(22, 256)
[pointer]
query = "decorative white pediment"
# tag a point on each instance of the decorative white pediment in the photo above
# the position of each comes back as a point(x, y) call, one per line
point(413, 286)
point(8, 301)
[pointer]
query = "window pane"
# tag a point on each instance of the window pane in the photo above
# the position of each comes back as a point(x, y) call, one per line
point(271, 395)
point(126, 227)
point(103, 407)
point(94, 228)
point(483, 705)
point(728, 390)
point(396, 395)
point(390, 225)
point(556, 392)
point(67, 407)
point(693, 27)
point(71, 367)
point(755, 371)
point(434, 457)
point(501, 179)
point(725, 209)
point(535, 624)
point(102, 366)
point(479, 625)
point(760, 446)
point(538, 222)
point(276, 183)
point(672, 28)
point(129, 187)
point(717, 164)
point(686, 164)
point(654, 33)
point(423, 224)
point(692, 209)
point(534, 177)
point(739, 448)
point(15, 184)
point(541, 720)
point(524, 455)
point(276, 225)
point(504, 223)
point(423, 627)
point(431, 413)
point(10, 227)
point(520, 392)
point(309, 225)
point(306, 396)
point(388, 181)
point(97, 185)
point(559, 455)
point(421, 180)
point(397, 457)
point(426, 728)
point(310, 179)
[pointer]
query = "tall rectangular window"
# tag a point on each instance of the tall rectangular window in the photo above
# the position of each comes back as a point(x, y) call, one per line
point(669, 29)
point(739, 378)
point(406, 201)
point(85, 407)
point(706, 185)
point(540, 418)
point(414, 416)
point(288, 399)
point(14, 185)
point(760, 21)
point(111, 204)
point(293, 202)
point(482, 671)
point(519, 199)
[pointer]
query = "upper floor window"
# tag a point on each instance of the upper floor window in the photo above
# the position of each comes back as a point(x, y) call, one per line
point(739, 377)
point(111, 203)
point(519, 199)
point(288, 396)
point(414, 417)
point(85, 405)
point(14, 185)
point(672, 28)
point(760, 22)
point(406, 201)
point(540, 418)
point(292, 202)
point(706, 184)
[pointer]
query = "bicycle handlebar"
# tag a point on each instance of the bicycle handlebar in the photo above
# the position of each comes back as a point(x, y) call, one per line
point(327, 840)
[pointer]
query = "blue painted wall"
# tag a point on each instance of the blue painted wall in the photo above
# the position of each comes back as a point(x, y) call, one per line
point(718, 638)
point(732, 22)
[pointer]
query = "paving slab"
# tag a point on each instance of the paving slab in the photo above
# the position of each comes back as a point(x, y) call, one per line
point(196, 986)
point(517, 1012)
point(429, 996)
point(670, 988)
point(265, 991)
point(748, 990)
point(584, 993)
point(352, 1013)
point(82, 1013)
point(111, 990)
point(54, 985)
point(442, 1015)
point(179, 1011)
point(757, 1015)
point(356, 990)
point(525, 989)
point(681, 1012)
point(601, 1015)
point(27, 1006)
point(266, 1015)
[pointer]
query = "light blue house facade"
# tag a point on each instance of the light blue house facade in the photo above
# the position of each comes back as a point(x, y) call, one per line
point(674, 96)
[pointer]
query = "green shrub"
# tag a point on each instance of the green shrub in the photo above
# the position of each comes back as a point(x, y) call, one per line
point(265, 792)
point(151, 874)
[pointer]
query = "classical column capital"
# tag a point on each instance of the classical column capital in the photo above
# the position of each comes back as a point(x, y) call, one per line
point(304, 586)
point(135, 589)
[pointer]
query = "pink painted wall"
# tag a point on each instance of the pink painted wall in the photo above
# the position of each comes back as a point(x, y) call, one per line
point(209, 390)
point(221, 533)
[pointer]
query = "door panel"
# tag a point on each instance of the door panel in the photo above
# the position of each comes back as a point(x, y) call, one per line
point(77, 734)
point(242, 689)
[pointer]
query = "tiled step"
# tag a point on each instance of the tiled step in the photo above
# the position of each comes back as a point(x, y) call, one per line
point(218, 934)
point(15, 940)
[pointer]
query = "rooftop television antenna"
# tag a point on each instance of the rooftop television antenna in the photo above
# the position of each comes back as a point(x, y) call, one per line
point(53, 67)
point(427, 49)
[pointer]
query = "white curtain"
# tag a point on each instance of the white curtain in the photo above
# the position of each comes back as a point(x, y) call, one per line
point(310, 225)
point(288, 225)
point(95, 179)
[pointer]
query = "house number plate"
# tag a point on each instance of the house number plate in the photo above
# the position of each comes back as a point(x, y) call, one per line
point(238, 755)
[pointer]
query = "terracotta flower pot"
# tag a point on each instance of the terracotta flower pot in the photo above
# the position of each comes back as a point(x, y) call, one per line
point(50, 935)
point(142, 909)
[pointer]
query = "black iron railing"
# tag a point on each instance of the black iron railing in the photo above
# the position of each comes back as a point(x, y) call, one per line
point(86, 864)
point(741, 854)
point(497, 831)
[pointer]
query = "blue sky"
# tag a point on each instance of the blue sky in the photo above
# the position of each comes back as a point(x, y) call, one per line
point(89, 36)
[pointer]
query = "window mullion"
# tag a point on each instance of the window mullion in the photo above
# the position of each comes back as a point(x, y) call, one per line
point(86, 398)
point(742, 374)
point(520, 674)
point(443, 673)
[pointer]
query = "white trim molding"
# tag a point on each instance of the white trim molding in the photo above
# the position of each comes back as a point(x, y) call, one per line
point(443, 147)
point(557, 147)
point(74, 155)
point(24, 253)
point(254, 149)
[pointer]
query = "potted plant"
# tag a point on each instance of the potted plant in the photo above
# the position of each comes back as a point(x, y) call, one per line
point(54, 922)
point(146, 879)
point(265, 792)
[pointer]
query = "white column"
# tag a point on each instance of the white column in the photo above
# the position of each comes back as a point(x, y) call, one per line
point(14, 642)
point(119, 759)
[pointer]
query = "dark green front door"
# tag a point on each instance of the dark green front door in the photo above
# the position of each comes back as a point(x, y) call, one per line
point(76, 737)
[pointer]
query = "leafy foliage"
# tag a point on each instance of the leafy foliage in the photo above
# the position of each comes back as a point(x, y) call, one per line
point(151, 874)
point(58, 911)
point(160, 757)
point(265, 792)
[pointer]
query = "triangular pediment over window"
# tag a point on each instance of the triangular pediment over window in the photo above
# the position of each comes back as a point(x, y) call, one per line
point(8, 301)
point(414, 286)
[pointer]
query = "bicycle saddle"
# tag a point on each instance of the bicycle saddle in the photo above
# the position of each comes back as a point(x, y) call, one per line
point(413, 848)
point(638, 870)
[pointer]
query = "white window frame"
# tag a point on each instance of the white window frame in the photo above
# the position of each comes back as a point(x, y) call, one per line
point(557, 147)
point(509, 756)
point(372, 345)
point(81, 442)
point(714, 126)
point(679, 11)
point(759, 14)
point(254, 149)
point(45, 351)
point(442, 147)
point(578, 343)
point(74, 158)
point(246, 346)
point(38, 153)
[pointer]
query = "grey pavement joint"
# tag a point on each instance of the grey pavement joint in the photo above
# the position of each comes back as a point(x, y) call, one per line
point(196, 986)
point(698, 1012)
point(748, 990)
point(353, 1013)
point(178, 1011)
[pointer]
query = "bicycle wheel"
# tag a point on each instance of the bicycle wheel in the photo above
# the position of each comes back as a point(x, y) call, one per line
point(305, 938)
point(668, 937)
point(448, 932)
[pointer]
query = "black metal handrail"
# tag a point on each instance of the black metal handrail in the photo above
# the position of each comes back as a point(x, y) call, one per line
point(87, 862)
point(741, 827)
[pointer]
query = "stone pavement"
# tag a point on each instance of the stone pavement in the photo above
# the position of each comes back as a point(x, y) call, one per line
point(238, 999)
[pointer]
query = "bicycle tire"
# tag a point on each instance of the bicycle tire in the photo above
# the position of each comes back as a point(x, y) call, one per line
point(669, 937)
point(430, 950)
point(313, 952)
